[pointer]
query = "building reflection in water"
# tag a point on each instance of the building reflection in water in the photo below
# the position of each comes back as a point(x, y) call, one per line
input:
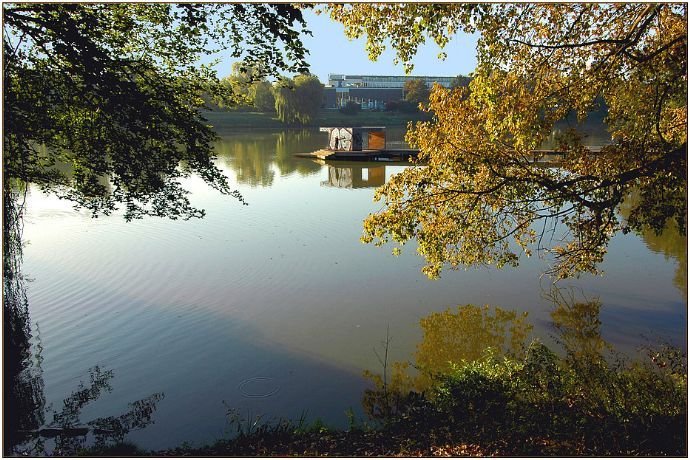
point(349, 176)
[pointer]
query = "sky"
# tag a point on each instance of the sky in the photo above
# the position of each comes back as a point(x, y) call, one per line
point(331, 52)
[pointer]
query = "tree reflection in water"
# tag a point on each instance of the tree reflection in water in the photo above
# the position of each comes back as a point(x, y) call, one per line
point(23, 399)
point(24, 413)
point(255, 156)
point(66, 434)
point(667, 240)
point(449, 338)
point(473, 370)
point(579, 329)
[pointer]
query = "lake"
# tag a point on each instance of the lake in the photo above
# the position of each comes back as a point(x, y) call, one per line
point(275, 309)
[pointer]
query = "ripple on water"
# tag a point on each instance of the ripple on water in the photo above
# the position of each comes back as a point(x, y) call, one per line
point(258, 387)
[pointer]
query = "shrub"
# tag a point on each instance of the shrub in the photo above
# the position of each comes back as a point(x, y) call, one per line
point(391, 106)
point(540, 399)
point(407, 107)
point(351, 108)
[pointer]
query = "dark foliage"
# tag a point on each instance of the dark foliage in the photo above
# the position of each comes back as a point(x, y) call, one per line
point(351, 108)
point(101, 100)
point(401, 106)
point(545, 405)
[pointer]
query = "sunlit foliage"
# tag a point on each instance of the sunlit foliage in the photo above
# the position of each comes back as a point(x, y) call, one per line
point(480, 198)
point(245, 88)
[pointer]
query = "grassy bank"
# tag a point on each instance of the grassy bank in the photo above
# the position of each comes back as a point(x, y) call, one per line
point(233, 121)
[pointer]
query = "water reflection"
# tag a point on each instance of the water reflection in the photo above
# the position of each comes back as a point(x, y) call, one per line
point(474, 334)
point(66, 434)
point(355, 176)
point(670, 242)
point(256, 157)
point(24, 414)
point(23, 398)
point(579, 328)
point(449, 338)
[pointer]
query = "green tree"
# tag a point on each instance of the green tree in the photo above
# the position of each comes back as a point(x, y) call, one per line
point(239, 85)
point(298, 100)
point(101, 101)
point(262, 96)
point(285, 100)
point(416, 92)
point(480, 199)
point(246, 88)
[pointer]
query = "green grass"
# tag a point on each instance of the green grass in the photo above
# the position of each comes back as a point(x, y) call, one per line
point(233, 121)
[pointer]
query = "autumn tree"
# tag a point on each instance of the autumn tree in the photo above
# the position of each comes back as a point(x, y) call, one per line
point(480, 198)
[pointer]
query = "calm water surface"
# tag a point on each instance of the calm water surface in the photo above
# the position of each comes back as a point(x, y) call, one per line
point(275, 308)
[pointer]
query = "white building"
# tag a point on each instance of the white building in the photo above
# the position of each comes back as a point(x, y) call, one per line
point(382, 81)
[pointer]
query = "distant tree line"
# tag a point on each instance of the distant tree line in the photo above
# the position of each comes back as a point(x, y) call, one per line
point(298, 99)
point(294, 100)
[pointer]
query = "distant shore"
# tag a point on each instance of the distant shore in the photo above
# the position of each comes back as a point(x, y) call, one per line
point(228, 121)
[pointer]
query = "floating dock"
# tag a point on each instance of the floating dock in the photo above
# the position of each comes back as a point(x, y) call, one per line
point(542, 157)
point(359, 143)
point(362, 155)
point(368, 143)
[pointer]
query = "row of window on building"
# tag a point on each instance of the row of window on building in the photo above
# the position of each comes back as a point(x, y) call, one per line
point(372, 92)
point(382, 81)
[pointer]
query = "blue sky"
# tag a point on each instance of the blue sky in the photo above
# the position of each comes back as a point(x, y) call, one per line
point(331, 52)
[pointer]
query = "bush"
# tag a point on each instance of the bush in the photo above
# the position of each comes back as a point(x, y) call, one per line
point(391, 106)
point(351, 108)
point(401, 106)
point(542, 400)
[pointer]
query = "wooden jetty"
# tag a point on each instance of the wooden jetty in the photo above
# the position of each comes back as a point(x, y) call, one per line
point(362, 155)
point(368, 143)
point(359, 143)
